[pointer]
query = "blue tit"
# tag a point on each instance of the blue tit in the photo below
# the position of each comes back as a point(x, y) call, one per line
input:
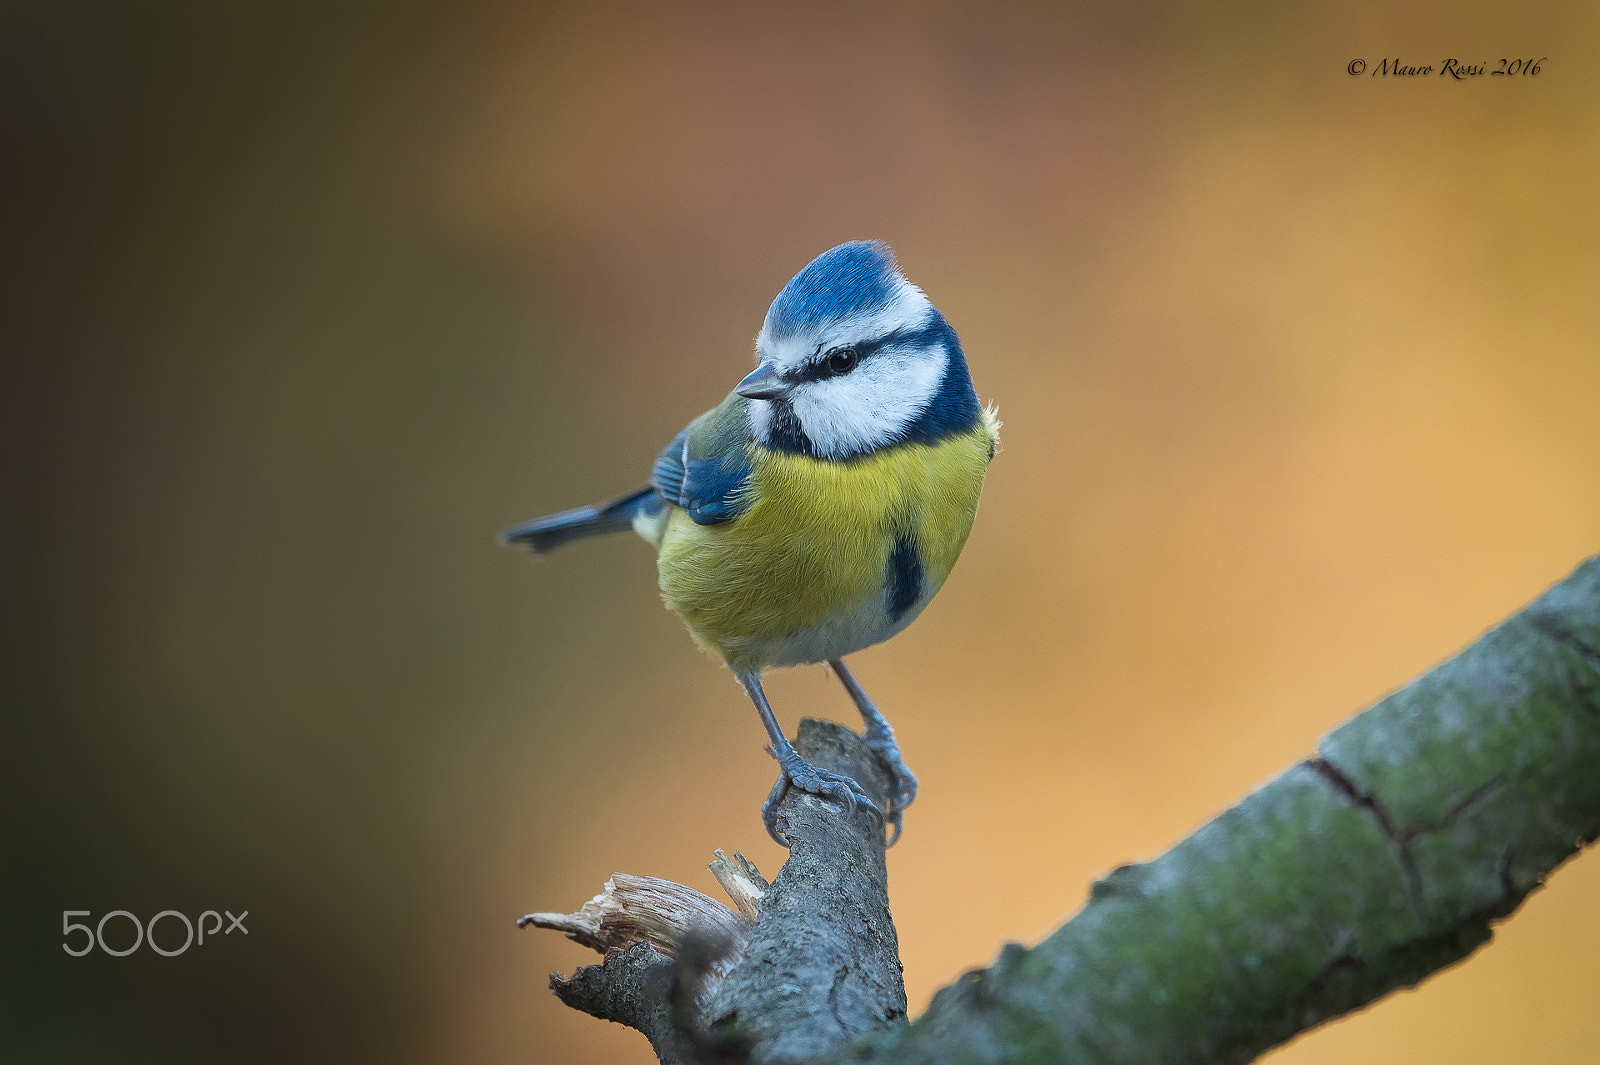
point(817, 509)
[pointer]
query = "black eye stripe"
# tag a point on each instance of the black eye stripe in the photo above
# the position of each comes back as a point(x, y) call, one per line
point(817, 367)
point(838, 361)
point(833, 363)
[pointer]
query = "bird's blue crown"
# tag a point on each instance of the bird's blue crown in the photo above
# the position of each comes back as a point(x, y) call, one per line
point(855, 278)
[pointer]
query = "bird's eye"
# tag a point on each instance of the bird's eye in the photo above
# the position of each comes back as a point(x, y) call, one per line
point(842, 360)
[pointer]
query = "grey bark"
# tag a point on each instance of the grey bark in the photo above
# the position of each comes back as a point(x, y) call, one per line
point(819, 964)
point(823, 962)
point(632, 987)
point(1388, 855)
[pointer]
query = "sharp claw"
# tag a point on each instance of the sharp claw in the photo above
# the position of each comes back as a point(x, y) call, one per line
point(843, 793)
point(769, 809)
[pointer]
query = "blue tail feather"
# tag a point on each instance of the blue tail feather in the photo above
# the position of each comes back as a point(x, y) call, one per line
point(544, 534)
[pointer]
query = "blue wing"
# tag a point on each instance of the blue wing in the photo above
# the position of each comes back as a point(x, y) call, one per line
point(706, 467)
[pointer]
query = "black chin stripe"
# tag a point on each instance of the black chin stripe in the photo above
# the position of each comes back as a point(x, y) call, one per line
point(903, 579)
point(784, 432)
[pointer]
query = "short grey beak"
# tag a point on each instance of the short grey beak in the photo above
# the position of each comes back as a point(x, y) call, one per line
point(764, 382)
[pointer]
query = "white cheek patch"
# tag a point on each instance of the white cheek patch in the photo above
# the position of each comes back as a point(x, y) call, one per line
point(871, 406)
point(907, 309)
point(759, 414)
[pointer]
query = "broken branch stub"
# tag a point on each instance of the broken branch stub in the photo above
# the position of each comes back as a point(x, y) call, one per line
point(808, 962)
point(644, 909)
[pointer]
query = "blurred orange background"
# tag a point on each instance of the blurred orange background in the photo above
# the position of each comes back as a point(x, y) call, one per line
point(1301, 391)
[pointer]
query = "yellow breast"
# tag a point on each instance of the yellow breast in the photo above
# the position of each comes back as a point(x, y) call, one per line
point(829, 557)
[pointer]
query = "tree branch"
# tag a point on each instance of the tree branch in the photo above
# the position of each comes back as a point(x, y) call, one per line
point(1384, 858)
point(824, 961)
point(817, 965)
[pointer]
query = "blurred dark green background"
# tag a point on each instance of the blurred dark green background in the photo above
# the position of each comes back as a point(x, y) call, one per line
point(305, 302)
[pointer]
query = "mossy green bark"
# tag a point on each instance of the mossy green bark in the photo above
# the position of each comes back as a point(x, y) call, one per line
point(1386, 857)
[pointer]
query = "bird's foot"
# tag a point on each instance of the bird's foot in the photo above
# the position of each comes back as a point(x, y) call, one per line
point(795, 772)
point(902, 781)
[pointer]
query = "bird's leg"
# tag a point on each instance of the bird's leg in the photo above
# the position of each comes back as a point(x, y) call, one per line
point(880, 737)
point(796, 772)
